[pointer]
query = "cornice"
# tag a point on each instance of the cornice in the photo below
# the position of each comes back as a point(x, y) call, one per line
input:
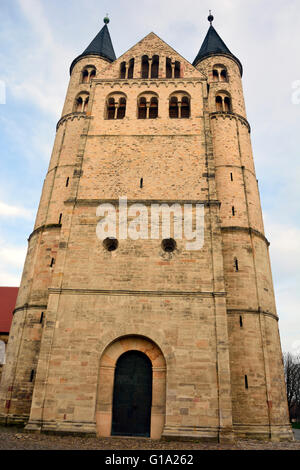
point(70, 117)
point(88, 55)
point(230, 115)
point(249, 230)
point(30, 306)
point(149, 83)
point(240, 311)
point(146, 202)
point(127, 292)
point(221, 54)
point(42, 228)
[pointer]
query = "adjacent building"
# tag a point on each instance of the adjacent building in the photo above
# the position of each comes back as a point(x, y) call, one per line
point(8, 297)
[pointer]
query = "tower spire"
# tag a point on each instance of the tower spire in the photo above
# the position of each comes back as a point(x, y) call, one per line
point(101, 45)
point(214, 45)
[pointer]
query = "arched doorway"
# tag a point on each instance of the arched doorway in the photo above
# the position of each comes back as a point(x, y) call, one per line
point(132, 397)
point(106, 385)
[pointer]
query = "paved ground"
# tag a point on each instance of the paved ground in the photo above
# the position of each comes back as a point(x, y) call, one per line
point(16, 439)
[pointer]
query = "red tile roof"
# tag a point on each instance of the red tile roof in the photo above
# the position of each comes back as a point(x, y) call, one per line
point(8, 297)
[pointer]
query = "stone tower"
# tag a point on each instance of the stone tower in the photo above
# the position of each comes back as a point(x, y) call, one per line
point(139, 335)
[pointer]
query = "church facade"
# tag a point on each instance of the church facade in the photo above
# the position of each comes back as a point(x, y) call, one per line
point(137, 335)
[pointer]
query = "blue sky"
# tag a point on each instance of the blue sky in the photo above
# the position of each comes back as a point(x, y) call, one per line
point(40, 38)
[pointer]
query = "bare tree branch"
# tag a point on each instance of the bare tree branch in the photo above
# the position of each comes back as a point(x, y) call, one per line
point(292, 379)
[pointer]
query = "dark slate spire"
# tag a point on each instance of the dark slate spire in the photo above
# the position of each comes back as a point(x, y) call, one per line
point(214, 45)
point(101, 45)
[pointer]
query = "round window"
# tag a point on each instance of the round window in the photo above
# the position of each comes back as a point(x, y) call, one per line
point(110, 244)
point(168, 245)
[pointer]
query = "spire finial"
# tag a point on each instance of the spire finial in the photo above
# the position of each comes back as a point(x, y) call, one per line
point(210, 18)
point(106, 19)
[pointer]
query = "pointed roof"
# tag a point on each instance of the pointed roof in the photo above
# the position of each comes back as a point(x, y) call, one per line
point(101, 45)
point(214, 45)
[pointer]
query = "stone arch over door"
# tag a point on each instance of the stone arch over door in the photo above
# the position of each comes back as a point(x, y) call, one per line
point(108, 361)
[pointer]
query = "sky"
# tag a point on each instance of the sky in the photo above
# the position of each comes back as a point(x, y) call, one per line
point(40, 38)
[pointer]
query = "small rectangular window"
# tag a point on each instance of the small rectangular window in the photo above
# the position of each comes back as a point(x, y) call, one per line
point(233, 210)
point(52, 262)
point(42, 317)
point(32, 376)
point(141, 182)
point(246, 382)
point(231, 176)
point(241, 321)
point(67, 182)
point(236, 263)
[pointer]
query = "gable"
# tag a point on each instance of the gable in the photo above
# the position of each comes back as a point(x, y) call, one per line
point(151, 45)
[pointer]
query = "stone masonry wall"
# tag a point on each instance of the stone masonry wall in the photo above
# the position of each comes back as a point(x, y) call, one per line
point(252, 318)
point(188, 303)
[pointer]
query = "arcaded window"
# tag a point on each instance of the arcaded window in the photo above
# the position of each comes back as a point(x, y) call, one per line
point(85, 105)
point(155, 66)
point(173, 108)
point(153, 110)
point(150, 66)
point(130, 68)
point(81, 103)
point(121, 108)
point(123, 70)
point(78, 105)
point(147, 106)
point(116, 106)
point(223, 102)
point(219, 73)
point(111, 107)
point(227, 104)
point(185, 107)
point(85, 76)
point(215, 75)
point(177, 69)
point(142, 108)
point(172, 68)
point(223, 76)
point(219, 103)
point(168, 68)
point(179, 105)
point(145, 66)
point(88, 74)
point(127, 69)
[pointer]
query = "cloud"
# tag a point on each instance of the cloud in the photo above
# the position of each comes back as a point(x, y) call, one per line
point(285, 247)
point(285, 256)
point(12, 255)
point(9, 280)
point(33, 11)
point(288, 301)
point(39, 75)
point(7, 210)
point(30, 138)
point(12, 258)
